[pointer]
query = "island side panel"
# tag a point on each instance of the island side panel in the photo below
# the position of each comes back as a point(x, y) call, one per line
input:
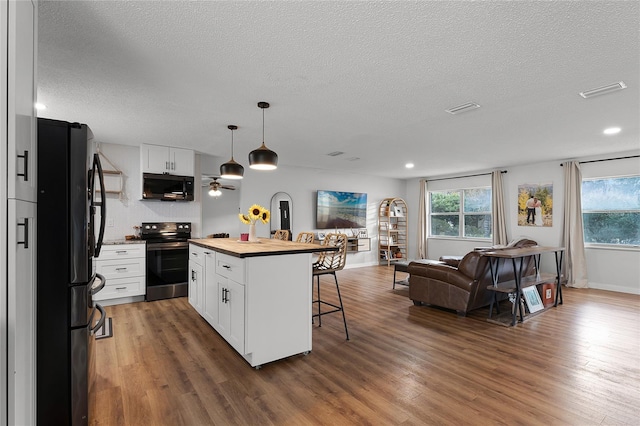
point(278, 307)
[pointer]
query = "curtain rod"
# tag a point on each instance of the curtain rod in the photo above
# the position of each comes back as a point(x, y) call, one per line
point(460, 177)
point(604, 159)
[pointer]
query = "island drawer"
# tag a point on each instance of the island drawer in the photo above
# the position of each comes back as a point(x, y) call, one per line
point(196, 253)
point(230, 267)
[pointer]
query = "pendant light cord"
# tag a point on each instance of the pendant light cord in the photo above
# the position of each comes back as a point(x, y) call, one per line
point(262, 126)
point(232, 144)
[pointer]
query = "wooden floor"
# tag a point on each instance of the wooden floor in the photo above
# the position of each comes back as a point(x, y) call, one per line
point(577, 364)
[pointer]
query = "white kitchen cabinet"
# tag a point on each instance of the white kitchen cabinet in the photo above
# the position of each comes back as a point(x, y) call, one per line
point(210, 303)
point(164, 159)
point(18, 42)
point(196, 277)
point(231, 300)
point(21, 318)
point(124, 267)
point(260, 305)
point(21, 98)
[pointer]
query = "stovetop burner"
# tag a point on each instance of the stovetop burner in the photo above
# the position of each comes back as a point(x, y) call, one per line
point(166, 231)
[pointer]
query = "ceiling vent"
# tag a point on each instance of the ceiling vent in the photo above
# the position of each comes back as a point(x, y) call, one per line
point(603, 90)
point(335, 153)
point(462, 108)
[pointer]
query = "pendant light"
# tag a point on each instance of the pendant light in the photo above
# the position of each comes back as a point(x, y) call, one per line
point(263, 158)
point(231, 169)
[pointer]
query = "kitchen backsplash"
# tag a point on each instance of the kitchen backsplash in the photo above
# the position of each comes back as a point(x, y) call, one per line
point(126, 211)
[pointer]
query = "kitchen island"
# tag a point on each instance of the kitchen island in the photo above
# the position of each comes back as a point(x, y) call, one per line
point(256, 295)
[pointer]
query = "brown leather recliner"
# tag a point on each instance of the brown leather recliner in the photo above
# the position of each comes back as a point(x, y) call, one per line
point(462, 288)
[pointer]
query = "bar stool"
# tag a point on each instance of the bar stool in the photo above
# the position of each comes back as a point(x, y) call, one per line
point(305, 237)
point(281, 234)
point(330, 262)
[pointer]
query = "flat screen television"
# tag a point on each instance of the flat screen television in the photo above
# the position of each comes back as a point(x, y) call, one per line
point(336, 209)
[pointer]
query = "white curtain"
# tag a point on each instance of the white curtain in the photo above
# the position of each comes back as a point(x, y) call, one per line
point(498, 216)
point(575, 263)
point(423, 224)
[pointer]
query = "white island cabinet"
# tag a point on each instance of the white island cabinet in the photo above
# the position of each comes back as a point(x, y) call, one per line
point(257, 296)
point(123, 264)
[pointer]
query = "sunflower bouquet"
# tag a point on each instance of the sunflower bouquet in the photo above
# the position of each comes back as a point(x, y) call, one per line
point(255, 213)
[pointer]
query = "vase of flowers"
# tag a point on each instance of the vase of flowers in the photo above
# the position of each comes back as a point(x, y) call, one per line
point(255, 213)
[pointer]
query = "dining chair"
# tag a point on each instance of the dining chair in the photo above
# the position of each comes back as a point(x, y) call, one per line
point(305, 237)
point(329, 262)
point(281, 234)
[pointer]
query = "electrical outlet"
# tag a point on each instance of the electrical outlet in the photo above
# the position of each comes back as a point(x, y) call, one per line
point(110, 223)
point(548, 293)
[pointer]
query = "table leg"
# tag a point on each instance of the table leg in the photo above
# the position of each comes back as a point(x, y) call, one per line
point(493, 264)
point(558, 272)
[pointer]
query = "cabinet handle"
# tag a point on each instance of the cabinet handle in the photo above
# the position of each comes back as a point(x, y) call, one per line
point(25, 175)
point(121, 288)
point(226, 266)
point(121, 252)
point(193, 275)
point(194, 254)
point(25, 243)
point(121, 269)
point(166, 165)
point(173, 165)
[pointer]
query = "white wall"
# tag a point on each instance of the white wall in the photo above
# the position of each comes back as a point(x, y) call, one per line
point(128, 211)
point(616, 269)
point(219, 214)
point(302, 183)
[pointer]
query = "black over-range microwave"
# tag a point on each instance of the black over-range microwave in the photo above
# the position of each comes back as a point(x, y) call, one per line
point(167, 187)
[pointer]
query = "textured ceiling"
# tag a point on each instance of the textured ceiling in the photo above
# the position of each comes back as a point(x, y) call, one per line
point(370, 79)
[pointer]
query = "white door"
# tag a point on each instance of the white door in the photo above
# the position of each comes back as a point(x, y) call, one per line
point(21, 91)
point(154, 159)
point(224, 313)
point(182, 162)
point(21, 324)
point(195, 281)
point(235, 303)
point(210, 304)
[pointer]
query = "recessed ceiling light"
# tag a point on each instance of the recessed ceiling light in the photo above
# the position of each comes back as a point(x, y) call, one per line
point(612, 130)
point(40, 106)
point(462, 108)
point(409, 165)
point(335, 153)
point(604, 89)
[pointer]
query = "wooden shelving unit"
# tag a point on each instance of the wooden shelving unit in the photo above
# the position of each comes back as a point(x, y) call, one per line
point(392, 230)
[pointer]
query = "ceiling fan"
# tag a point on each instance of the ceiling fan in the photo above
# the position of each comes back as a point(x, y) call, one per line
point(215, 187)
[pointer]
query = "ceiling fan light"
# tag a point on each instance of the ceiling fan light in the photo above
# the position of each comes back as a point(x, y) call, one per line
point(231, 170)
point(215, 192)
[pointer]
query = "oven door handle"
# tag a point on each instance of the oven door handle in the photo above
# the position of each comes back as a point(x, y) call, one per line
point(103, 317)
point(167, 246)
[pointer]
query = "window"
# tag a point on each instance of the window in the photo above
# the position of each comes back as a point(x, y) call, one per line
point(464, 213)
point(611, 210)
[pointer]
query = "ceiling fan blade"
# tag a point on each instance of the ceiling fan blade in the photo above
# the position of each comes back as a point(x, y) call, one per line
point(231, 187)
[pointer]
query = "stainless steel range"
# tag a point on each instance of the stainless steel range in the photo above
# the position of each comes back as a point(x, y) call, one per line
point(167, 258)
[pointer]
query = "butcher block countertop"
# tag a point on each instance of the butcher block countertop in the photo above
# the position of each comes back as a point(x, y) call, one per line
point(264, 247)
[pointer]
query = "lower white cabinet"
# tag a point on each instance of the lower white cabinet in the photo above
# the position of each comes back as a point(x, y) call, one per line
point(124, 267)
point(231, 301)
point(21, 312)
point(211, 292)
point(260, 305)
point(196, 277)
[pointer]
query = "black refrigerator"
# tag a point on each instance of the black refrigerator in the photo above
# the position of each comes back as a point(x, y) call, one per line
point(69, 174)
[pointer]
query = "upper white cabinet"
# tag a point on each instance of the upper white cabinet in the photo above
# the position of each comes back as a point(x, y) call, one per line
point(21, 42)
point(164, 159)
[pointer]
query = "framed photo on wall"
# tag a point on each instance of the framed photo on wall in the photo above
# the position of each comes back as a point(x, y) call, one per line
point(535, 204)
